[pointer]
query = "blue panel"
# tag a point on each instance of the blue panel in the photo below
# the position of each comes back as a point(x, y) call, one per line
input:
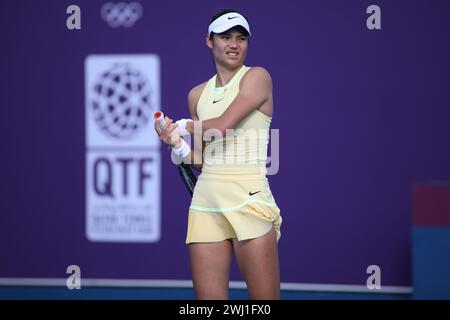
point(431, 263)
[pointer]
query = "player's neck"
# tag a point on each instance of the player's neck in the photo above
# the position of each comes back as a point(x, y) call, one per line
point(224, 75)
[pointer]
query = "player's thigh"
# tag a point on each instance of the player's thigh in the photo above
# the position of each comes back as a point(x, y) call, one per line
point(210, 264)
point(258, 261)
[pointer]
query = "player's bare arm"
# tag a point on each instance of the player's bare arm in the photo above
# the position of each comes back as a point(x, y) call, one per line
point(197, 151)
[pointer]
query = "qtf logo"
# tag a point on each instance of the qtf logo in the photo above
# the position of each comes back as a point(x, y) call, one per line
point(121, 14)
point(122, 148)
point(121, 101)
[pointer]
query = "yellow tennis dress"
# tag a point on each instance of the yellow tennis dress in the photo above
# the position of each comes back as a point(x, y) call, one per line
point(232, 197)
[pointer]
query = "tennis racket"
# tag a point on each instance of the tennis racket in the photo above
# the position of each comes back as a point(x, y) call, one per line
point(187, 176)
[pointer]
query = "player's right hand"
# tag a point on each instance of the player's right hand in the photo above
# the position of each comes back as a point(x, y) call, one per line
point(169, 134)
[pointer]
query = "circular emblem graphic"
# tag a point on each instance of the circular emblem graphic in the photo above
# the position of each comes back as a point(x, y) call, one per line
point(121, 101)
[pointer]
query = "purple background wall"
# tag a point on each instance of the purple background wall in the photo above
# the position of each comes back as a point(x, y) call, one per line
point(363, 115)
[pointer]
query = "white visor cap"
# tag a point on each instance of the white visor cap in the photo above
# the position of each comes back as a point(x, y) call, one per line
point(228, 21)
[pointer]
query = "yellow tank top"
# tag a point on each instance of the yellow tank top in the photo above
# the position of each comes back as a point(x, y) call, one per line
point(244, 149)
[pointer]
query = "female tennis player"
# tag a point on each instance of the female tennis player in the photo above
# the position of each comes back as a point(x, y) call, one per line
point(232, 207)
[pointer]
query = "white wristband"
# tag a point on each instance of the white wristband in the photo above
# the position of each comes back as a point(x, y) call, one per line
point(182, 151)
point(182, 127)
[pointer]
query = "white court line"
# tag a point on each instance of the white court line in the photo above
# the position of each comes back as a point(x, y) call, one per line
point(146, 283)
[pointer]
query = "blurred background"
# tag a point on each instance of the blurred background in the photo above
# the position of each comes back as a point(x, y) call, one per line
point(362, 159)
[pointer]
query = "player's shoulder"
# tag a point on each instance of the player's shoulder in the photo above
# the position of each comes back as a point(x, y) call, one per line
point(261, 71)
point(258, 74)
point(193, 97)
point(195, 92)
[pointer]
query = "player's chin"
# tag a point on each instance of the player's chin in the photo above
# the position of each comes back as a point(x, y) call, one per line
point(233, 62)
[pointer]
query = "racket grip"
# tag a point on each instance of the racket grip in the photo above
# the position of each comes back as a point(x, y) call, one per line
point(160, 120)
point(161, 123)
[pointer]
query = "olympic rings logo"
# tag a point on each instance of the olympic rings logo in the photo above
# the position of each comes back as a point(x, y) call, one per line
point(121, 14)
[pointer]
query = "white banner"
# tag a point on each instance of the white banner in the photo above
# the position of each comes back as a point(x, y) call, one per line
point(122, 149)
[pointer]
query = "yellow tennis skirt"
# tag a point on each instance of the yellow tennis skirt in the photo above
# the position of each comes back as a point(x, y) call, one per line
point(228, 206)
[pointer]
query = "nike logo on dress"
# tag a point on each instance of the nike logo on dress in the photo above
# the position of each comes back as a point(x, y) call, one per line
point(215, 101)
point(229, 18)
point(252, 193)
